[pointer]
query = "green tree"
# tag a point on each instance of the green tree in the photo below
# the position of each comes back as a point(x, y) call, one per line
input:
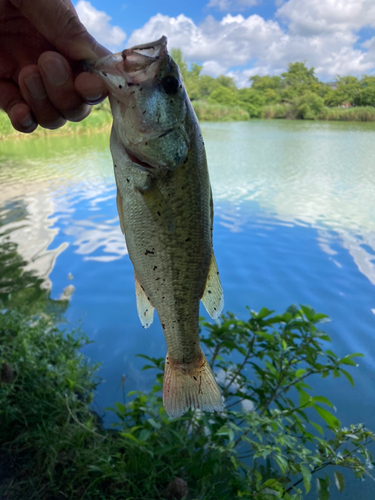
point(252, 101)
point(224, 95)
point(267, 82)
point(308, 106)
point(298, 74)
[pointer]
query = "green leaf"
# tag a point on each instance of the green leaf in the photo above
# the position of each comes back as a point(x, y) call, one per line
point(327, 416)
point(322, 485)
point(263, 313)
point(120, 408)
point(154, 424)
point(304, 397)
point(319, 316)
point(323, 400)
point(339, 481)
point(129, 436)
point(348, 376)
point(309, 312)
point(306, 474)
point(318, 428)
point(347, 361)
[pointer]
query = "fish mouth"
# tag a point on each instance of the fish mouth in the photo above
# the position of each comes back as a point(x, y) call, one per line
point(135, 63)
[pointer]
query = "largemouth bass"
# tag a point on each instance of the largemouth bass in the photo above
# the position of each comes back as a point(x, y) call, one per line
point(165, 208)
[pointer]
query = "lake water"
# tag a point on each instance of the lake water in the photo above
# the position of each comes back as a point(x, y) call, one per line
point(294, 223)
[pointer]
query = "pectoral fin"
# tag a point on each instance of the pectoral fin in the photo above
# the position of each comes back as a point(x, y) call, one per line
point(119, 210)
point(144, 307)
point(212, 297)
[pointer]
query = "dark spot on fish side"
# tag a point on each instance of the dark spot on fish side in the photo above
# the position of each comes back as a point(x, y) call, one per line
point(187, 239)
point(130, 84)
point(127, 180)
point(149, 251)
point(120, 86)
point(144, 112)
point(155, 267)
point(115, 166)
point(163, 325)
point(209, 291)
point(159, 214)
point(195, 378)
point(104, 74)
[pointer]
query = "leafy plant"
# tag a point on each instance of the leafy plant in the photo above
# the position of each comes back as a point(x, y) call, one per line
point(274, 436)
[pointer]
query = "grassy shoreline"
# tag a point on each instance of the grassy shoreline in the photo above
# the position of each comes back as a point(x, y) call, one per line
point(100, 119)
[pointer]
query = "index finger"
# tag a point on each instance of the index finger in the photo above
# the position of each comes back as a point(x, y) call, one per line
point(58, 22)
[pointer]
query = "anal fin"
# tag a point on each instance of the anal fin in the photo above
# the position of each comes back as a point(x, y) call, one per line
point(190, 386)
point(212, 298)
point(144, 306)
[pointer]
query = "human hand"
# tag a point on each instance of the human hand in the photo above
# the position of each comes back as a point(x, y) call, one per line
point(41, 42)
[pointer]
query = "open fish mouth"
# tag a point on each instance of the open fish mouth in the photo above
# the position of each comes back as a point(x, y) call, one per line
point(134, 64)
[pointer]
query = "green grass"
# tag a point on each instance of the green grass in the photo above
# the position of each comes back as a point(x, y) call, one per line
point(97, 121)
point(359, 114)
point(218, 112)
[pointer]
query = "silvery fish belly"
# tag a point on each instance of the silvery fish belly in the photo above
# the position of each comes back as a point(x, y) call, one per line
point(165, 207)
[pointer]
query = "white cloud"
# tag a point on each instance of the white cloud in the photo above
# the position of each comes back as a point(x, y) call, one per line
point(232, 4)
point(312, 17)
point(242, 41)
point(213, 68)
point(232, 41)
point(98, 24)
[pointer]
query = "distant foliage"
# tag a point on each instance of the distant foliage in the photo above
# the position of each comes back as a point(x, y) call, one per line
point(301, 93)
point(275, 439)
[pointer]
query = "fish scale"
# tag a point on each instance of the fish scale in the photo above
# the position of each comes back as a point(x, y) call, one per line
point(165, 209)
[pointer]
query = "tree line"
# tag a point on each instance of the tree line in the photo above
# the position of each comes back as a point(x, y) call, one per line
point(298, 92)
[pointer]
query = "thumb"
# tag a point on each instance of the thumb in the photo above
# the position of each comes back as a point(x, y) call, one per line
point(58, 22)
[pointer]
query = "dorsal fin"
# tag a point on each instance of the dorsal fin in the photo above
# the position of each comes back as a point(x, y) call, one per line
point(119, 210)
point(144, 307)
point(212, 297)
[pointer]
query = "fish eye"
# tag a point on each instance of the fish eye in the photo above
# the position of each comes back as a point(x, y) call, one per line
point(170, 84)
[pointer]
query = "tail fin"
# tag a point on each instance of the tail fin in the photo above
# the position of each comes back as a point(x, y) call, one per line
point(190, 386)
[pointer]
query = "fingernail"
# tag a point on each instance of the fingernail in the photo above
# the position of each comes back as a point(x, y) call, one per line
point(55, 72)
point(35, 85)
point(94, 98)
point(26, 122)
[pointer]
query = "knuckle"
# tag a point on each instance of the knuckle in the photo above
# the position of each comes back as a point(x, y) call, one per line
point(70, 25)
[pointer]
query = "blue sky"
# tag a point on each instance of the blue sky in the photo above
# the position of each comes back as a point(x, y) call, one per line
point(242, 38)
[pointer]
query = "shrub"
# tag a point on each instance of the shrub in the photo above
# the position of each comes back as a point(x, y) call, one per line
point(308, 106)
point(218, 112)
point(265, 445)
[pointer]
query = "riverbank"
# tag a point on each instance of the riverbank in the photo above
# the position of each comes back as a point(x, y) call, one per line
point(53, 446)
point(289, 112)
point(100, 118)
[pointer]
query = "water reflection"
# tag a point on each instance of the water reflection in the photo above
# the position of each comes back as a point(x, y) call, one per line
point(320, 174)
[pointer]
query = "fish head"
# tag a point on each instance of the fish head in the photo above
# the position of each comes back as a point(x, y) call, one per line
point(149, 104)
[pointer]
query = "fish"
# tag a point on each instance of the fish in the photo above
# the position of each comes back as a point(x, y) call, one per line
point(164, 201)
